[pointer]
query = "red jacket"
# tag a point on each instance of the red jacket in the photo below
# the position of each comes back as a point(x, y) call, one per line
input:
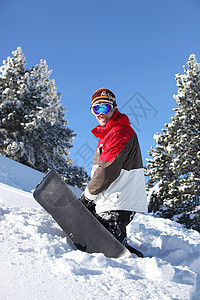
point(117, 179)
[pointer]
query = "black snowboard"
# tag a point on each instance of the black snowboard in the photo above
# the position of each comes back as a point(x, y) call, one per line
point(83, 229)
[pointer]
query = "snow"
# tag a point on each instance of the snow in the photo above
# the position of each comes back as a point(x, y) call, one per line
point(38, 263)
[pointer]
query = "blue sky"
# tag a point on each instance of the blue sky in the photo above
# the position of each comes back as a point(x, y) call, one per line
point(134, 48)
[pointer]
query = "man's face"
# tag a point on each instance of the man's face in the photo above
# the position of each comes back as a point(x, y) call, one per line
point(103, 119)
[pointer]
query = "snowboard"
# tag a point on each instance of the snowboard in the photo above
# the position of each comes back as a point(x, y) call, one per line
point(83, 230)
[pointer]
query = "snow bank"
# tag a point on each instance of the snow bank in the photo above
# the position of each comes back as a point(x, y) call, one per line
point(17, 175)
point(34, 247)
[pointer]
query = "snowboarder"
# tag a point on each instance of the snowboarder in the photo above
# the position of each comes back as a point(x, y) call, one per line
point(117, 187)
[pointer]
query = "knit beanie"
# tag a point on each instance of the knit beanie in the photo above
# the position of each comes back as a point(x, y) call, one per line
point(104, 95)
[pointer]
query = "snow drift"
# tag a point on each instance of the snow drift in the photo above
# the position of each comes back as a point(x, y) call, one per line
point(38, 263)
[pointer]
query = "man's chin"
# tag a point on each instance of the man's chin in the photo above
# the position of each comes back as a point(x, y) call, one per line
point(102, 121)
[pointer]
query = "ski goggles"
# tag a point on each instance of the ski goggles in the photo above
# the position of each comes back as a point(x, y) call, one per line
point(102, 109)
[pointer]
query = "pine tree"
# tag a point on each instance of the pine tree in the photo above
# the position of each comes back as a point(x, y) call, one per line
point(175, 164)
point(33, 126)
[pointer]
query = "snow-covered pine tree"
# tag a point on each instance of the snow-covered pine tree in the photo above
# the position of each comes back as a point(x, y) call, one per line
point(174, 169)
point(33, 126)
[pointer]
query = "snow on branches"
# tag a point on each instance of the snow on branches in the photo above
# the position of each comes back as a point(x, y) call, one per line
point(32, 120)
point(174, 162)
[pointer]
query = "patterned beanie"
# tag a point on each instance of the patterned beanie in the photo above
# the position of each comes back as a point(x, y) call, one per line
point(103, 95)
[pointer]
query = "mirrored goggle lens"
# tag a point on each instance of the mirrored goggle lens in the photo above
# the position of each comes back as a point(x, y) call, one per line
point(101, 109)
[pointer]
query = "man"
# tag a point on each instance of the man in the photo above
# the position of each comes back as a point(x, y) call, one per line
point(117, 187)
